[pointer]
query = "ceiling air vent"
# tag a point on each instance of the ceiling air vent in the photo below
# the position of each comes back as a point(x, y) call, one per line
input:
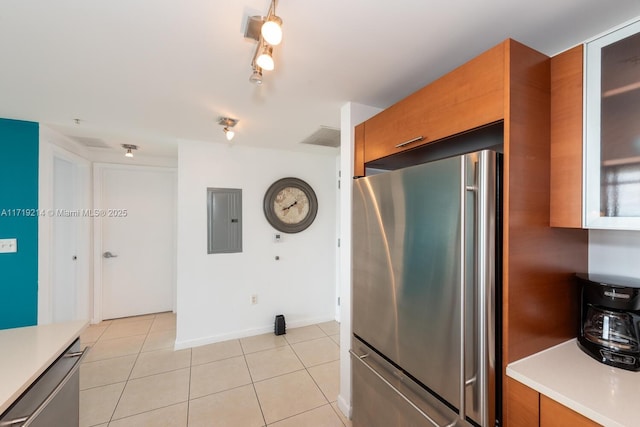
point(90, 142)
point(325, 136)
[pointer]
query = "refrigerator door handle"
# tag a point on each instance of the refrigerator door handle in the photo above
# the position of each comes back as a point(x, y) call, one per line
point(395, 390)
point(476, 307)
point(471, 381)
point(484, 277)
point(463, 274)
point(469, 352)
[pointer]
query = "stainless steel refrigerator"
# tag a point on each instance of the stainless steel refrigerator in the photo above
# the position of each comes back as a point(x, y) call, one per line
point(425, 294)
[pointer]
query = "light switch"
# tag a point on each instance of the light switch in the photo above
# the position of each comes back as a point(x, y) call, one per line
point(8, 246)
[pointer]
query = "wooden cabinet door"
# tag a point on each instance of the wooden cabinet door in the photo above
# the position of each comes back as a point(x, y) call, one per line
point(468, 97)
point(566, 138)
point(523, 405)
point(528, 408)
point(553, 414)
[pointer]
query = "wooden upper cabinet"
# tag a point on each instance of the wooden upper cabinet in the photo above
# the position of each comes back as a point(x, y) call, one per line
point(566, 138)
point(472, 95)
point(358, 151)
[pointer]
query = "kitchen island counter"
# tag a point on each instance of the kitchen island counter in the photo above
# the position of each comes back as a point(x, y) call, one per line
point(564, 373)
point(25, 353)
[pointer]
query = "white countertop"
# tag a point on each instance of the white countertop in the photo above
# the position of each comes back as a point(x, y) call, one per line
point(607, 395)
point(26, 352)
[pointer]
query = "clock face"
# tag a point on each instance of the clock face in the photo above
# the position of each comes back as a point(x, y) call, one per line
point(290, 205)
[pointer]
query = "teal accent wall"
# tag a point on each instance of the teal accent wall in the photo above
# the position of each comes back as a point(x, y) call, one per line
point(18, 219)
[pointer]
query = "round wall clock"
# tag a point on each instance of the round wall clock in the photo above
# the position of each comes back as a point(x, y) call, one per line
point(290, 205)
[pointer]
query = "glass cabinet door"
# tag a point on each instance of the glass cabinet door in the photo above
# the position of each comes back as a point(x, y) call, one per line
point(612, 144)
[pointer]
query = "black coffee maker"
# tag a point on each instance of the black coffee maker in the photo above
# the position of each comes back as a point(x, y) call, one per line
point(610, 319)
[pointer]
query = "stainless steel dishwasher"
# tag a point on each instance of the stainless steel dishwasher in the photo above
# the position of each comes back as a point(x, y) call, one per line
point(53, 399)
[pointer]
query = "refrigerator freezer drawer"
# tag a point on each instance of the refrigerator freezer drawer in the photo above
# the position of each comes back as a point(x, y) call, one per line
point(383, 396)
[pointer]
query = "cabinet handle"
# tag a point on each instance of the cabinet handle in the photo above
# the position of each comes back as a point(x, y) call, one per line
point(402, 144)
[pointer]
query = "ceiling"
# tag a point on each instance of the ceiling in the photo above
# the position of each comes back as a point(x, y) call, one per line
point(158, 72)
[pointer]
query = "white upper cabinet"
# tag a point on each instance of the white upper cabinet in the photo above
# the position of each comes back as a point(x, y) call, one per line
point(612, 130)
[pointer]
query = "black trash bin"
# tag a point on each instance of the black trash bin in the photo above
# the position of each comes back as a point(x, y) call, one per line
point(280, 326)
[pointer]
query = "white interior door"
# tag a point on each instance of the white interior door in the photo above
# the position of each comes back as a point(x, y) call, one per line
point(65, 242)
point(137, 228)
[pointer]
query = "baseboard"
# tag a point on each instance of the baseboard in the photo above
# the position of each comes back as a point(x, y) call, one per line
point(344, 406)
point(196, 342)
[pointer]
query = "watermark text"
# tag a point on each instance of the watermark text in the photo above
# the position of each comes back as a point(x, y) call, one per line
point(64, 213)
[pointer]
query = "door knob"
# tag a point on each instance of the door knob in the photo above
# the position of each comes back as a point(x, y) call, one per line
point(74, 258)
point(109, 255)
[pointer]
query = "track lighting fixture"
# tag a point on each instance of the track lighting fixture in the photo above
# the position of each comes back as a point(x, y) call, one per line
point(272, 29)
point(267, 31)
point(228, 124)
point(129, 148)
point(265, 59)
point(256, 76)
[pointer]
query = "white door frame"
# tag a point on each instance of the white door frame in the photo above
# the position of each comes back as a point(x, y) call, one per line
point(98, 193)
point(49, 151)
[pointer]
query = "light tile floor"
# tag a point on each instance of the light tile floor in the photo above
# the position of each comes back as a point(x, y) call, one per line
point(132, 377)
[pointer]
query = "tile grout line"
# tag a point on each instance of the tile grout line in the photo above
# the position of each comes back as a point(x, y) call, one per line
point(129, 376)
point(306, 411)
point(306, 368)
point(316, 383)
point(146, 376)
point(326, 363)
point(290, 345)
point(253, 384)
point(189, 389)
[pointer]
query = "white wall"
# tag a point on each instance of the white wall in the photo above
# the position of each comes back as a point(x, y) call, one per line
point(213, 291)
point(351, 114)
point(614, 252)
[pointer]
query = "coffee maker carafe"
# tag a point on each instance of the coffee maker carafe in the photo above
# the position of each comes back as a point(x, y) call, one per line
point(610, 319)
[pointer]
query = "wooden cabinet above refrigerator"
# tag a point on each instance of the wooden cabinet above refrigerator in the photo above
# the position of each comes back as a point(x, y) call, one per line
point(468, 97)
point(473, 95)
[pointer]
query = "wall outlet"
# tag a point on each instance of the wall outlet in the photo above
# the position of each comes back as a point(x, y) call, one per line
point(8, 246)
point(254, 299)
